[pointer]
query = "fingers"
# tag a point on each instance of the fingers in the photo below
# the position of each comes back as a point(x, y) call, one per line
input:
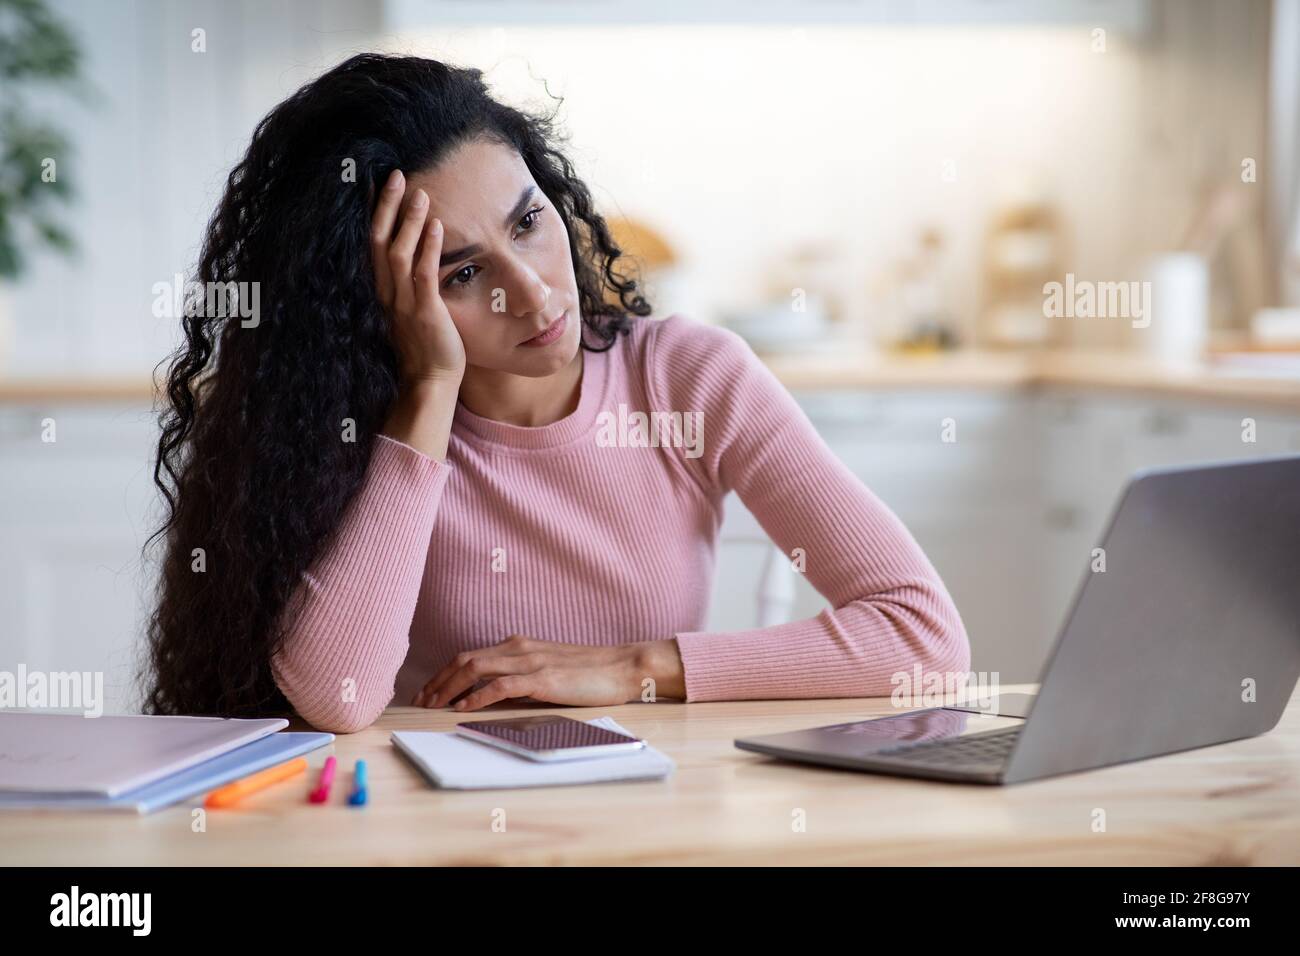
point(435, 682)
point(471, 666)
point(402, 251)
point(515, 644)
point(425, 274)
point(503, 688)
point(381, 233)
point(482, 668)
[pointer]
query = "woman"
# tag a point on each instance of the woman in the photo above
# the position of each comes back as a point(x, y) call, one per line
point(401, 484)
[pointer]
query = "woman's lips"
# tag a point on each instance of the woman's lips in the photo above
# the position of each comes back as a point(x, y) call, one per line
point(553, 332)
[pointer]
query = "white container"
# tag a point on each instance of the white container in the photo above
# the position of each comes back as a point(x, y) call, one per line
point(779, 327)
point(1276, 326)
point(1178, 305)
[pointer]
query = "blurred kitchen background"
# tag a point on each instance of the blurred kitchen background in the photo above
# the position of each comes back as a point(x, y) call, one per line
point(875, 194)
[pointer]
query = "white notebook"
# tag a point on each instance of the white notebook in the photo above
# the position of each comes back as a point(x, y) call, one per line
point(110, 755)
point(453, 762)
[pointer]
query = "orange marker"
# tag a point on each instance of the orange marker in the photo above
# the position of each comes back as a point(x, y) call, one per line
point(232, 793)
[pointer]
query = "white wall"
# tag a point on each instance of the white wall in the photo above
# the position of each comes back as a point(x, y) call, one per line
point(152, 151)
point(735, 141)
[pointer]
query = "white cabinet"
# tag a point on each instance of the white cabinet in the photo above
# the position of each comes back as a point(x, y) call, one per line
point(960, 469)
point(74, 513)
point(1093, 442)
point(1009, 512)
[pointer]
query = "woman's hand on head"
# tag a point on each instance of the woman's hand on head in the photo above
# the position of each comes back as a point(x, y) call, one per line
point(406, 243)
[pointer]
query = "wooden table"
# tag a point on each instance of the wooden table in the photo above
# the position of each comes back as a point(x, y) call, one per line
point(1236, 803)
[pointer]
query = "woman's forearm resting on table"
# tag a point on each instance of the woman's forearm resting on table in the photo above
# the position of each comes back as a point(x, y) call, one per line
point(888, 612)
point(341, 652)
point(855, 650)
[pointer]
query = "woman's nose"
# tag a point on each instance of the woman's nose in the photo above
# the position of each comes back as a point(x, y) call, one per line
point(528, 293)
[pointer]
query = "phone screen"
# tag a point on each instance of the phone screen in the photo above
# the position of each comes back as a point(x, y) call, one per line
point(547, 732)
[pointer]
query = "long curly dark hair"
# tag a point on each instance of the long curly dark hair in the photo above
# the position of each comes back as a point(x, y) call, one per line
point(249, 462)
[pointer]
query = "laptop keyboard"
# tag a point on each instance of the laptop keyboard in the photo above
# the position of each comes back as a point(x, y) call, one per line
point(976, 750)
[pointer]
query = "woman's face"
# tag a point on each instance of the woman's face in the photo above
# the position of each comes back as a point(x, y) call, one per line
point(506, 271)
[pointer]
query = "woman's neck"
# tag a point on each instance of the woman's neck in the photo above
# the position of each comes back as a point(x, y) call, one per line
point(519, 399)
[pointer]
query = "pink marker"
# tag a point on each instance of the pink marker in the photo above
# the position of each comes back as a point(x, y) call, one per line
point(322, 792)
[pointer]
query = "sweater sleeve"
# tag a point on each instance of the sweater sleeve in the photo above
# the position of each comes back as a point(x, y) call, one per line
point(341, 652)
point(889, 610)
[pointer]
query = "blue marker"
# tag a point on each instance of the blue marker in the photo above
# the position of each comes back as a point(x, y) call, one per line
point(359, 789)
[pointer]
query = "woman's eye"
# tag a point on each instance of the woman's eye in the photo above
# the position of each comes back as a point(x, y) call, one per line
point(465, 275)
point(462, 276)
point(529, 222)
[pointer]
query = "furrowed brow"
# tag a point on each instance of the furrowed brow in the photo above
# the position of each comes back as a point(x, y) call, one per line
point(464, 252)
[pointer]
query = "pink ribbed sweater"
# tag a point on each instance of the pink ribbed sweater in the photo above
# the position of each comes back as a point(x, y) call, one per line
point(606, 544)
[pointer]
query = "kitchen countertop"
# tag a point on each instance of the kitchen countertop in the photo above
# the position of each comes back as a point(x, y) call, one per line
point(1099, 370)
point(968, 368)
point(51, 389)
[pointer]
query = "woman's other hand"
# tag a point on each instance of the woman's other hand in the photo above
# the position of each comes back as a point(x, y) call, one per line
point(553, 672)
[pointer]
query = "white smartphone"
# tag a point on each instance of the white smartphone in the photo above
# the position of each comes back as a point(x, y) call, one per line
point(550, 737)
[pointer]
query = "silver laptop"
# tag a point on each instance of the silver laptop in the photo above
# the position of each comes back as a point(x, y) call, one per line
point(1189, 637)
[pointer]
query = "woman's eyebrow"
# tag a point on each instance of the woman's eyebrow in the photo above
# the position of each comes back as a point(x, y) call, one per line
point(457, 254)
